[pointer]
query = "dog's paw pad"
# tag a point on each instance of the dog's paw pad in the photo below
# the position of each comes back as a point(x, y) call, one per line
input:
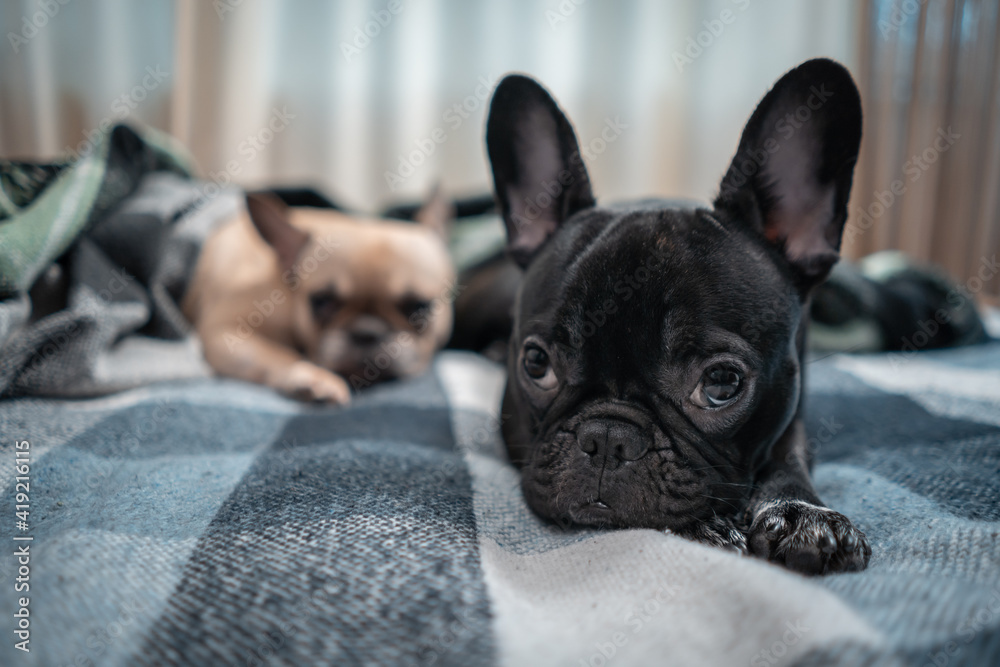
point(808, 539)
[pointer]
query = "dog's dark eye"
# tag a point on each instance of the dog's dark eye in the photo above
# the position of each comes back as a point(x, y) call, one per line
point(324, 305)
point(720, 385)
point(411, 306)
point(538, 367)
point(536, 362)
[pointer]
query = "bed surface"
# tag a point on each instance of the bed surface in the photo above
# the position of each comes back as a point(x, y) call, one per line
point(212, 522)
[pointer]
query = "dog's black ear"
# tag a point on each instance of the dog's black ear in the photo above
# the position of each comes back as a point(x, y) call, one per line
point(792, 173)
point(538, 173)
point(270, 216)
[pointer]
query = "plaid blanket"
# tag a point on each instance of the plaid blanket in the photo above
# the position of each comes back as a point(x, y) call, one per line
point(43, 207)
point(212, 522)
point(126, 223)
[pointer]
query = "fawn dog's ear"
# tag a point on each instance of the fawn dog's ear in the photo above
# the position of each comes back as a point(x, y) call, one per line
point(437, 212)
point(270, 216)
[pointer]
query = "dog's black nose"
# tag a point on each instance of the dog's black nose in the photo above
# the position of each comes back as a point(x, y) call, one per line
point(364, 338)
point(614, 438)
point(367, 330)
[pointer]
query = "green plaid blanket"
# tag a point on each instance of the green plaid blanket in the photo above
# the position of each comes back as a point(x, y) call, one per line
point(43, 208)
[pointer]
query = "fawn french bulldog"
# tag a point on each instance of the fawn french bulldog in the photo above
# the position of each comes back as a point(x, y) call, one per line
point(312, 301)
point(655, 369)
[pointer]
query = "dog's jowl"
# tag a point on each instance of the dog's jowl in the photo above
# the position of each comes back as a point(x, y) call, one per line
point(634, 397)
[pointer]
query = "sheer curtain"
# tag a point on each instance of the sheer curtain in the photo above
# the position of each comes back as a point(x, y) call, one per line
point(351, 95)
point(376, 101)
point(928, 180)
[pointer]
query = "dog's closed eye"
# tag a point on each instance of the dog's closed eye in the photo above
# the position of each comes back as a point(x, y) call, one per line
point(324, 305)
point(411, 306)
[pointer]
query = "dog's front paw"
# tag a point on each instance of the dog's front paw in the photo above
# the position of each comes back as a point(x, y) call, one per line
point(808, 538)
point(308, 382)
point(718, 532)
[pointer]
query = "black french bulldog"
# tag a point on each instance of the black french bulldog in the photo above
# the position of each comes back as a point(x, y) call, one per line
point(655, 369)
